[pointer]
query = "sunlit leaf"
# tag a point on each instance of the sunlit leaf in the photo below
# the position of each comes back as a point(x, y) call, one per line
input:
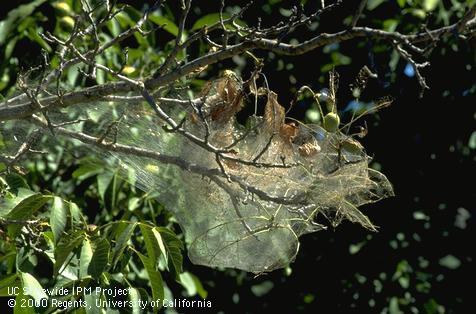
point(15, 16)
point(155, 279)
point(122, 237)
point(450, 261)
point(33, 287)
point(58, 217)
point(134, 297)
point(401, 3)
point(100, 258)
point(20, 300)
point(173, 247)
point(151, 243)
point(393, 307)
point(23, 209)
point(88, 167)
point(104, 179)
point(472, 140)
point(262, 288)
point(94, 298)
point(430, 5)
point(34, 36)
point(193, 285)
point(165, 23)
point(85, 258)
point(213, 18)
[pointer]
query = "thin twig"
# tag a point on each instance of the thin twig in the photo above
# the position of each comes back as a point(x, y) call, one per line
point(358, 13)
point(173, 160)
point(17, 107)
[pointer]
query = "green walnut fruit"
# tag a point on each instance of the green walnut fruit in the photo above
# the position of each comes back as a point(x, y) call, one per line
point(352, 147)
point(331, 122)
point(62, 8)
point(67, 23)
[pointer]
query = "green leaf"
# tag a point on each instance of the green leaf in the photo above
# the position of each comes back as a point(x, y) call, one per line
point(472, 140)
point(173, 248)
point(15, 182)
point(4, 81)
point(75, 212)
point(91, 298)
point(161, 244)
point(65, 247)
point(193, 285)
point(85, 258)
point(401, 3)
point(27, 206)
point(14, 17)
point(355, 248)
point(372, 4)
point(450, 261)
point(104, 179)
point(58, 218)
point(100, 75)
point(263, 288)
point(213, 18)
point(33, 287)
point(33, 35)
point(123, 19)
point(122, 238)
point(24, 210)
point(313, 115)
point(430, 5)
point(73, 74)
point(6, 282)
point(432, 307)
point(113, 191)
point(8, 260)
point(340, 59)
point(100, 258)
point(167, 25)
point(393, 307)
point(114, 27)
point(155, 279)
point(162, 240)
point(133, 203)
point(134, 297)
point(25, 260)
point(49, 238)
point(419, 13)
point(390, 25)
point(208, 20)
point(20, 308)
point(88, 166)
point(151, 243)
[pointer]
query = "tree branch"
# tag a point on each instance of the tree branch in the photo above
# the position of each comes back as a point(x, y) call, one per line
point(213, 173)
point(17, 108)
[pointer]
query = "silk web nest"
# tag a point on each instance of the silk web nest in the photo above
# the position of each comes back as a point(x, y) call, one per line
point(280, 180)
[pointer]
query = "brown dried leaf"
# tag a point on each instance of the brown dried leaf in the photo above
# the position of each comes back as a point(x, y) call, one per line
point(288, 132)
point(206, 89)
point(273, 113)
point(309, 149)
point(229, 91)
